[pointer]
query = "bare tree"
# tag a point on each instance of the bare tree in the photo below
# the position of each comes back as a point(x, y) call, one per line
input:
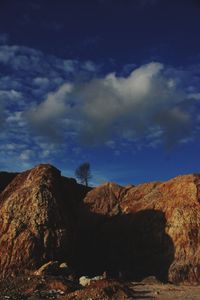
point(83, 173)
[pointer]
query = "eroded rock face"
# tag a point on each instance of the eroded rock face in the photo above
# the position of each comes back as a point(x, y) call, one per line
point(159, 223)
point(152, 229)
point(105, 199)
point(34, 220)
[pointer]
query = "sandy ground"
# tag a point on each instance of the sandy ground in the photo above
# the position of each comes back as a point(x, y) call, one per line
point(40, 288)
point(166, 291)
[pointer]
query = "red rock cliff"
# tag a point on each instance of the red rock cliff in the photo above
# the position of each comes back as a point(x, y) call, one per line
point(149, 229)
point(178, 200)
point(34, 219)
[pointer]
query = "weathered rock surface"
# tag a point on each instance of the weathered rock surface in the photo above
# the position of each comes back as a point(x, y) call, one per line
point(152, 229)
point(105, 199)
point(165, 222)
point(53, 268)
point(35, 219)
point(50, 268)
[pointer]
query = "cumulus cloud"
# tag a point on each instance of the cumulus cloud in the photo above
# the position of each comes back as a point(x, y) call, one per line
point(48, 105)
point(62, 100)
point(129, 106)
point(124, 107)
point(45, 117)
point(26, 155)
point(29, 82)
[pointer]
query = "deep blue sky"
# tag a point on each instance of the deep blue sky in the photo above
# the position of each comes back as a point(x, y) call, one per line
point(114, 83)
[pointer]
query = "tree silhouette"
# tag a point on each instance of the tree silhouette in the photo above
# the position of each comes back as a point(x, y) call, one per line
point(83, 173)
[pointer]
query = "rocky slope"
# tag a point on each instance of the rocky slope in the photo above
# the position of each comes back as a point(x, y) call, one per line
point(35, 219)
point(130, 232)
point(165, 221)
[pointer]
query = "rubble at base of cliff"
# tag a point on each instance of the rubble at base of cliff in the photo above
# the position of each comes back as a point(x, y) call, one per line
point(58, 287)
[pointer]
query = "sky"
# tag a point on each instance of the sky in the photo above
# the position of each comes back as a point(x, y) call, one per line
point(115, 83)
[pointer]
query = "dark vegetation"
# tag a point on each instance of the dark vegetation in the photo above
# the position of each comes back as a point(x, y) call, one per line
point(83, 173)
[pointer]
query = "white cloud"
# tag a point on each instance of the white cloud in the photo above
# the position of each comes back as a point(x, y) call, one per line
point(195, 96)
point(7, 98)
point(11, 95)
point(89, 66)
point(41, 81)
point(45, 115)
point(45, 153)
point(26, 155)
point(9, 54)
point(15, 117)
point(33, 61)
point(127, 107)
point(53, 106)
point(45, 93)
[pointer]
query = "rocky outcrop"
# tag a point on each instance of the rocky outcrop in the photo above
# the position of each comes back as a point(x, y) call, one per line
point(131, 232)
point(35, 219)
point(105, 199)
point(165, 222)
point(50, 268)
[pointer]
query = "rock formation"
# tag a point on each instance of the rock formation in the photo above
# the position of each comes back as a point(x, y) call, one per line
point(167, 227)
point(35, 219)
point(132, 232)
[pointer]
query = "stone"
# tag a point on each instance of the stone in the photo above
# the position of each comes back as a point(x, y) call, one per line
point(35, 212)
point(105, 199)
point(160, 219)
point(50, 268)
point(63, 265)
point(84, 281)
point(151, 229)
